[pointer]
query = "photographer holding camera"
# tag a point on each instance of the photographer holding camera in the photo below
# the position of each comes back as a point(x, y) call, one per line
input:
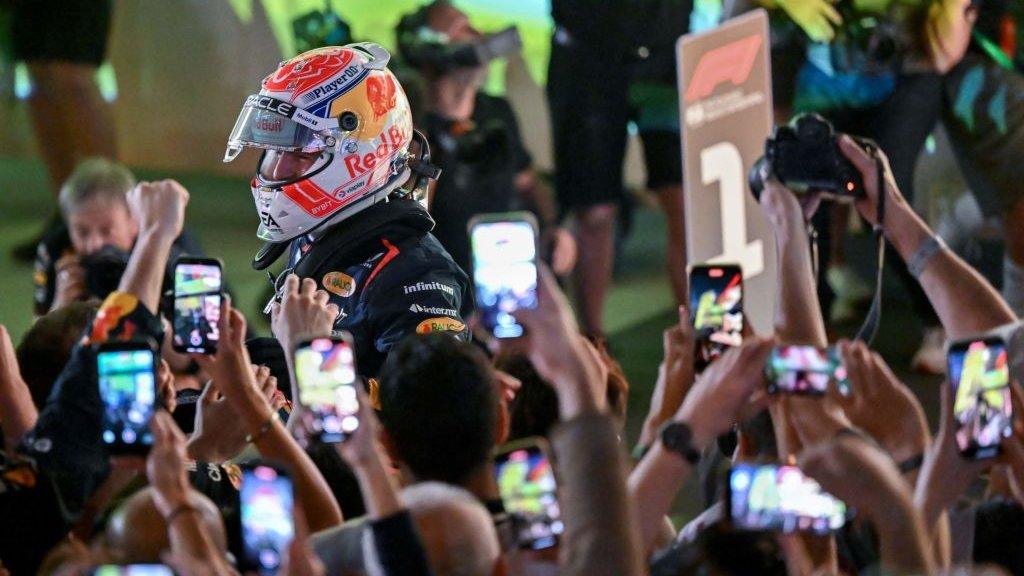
point(475, 137)
point(875, 69)
point(86, 258)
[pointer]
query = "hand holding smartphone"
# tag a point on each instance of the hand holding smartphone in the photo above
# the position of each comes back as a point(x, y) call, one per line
point(198, 289)
point(982, 407)
point(504, 269)
point(126, 372)
point(325, 371)
point(527, 485)
point(780, 498)
point(267, 517)
point(716, 308)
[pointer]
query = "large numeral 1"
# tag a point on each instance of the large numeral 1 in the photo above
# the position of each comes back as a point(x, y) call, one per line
point(722, 163)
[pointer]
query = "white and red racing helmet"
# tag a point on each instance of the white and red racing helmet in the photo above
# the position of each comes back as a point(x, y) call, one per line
point(335, 128)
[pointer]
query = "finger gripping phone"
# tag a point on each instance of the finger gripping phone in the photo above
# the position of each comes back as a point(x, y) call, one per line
point(805, 370)
point(780, 498)
point(716, 309)
point(527, 485)
point(979, 374)
point(325, 370)
point(126, 373)
point(504, 269)
point(198, 290)
point(267, 517)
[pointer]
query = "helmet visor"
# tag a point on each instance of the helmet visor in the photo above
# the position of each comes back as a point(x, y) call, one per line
point(272, 124)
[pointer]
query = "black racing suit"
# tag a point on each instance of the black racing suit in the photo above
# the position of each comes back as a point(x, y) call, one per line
point(389, 276)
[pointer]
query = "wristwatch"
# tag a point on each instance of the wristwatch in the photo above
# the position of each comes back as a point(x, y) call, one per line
point(677, 437)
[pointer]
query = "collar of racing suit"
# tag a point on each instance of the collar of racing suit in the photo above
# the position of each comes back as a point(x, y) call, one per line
point(396, 217)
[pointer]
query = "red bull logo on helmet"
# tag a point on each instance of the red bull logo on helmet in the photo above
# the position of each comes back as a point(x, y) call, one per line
point(380, 92)
point(390, 141)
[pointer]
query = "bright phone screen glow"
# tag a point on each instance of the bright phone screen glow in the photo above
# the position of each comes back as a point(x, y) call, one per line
point(128, 389)
point(527, 486)
point(267, 525)
point(805, 370)
point(326, 374)
point(197, 294)
point(982, 407)
point(716, 304)
point(781, 498)
point(504, 273)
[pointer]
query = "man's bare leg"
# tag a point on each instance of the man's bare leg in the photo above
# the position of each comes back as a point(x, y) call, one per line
point(671, 200)
point(595, 235)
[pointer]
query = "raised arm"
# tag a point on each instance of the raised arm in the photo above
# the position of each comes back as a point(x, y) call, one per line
point(230, 368)
point(965, 302)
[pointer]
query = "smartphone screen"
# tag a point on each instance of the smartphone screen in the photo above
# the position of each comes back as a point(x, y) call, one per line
point(526, 482)
point(197, 297)
point(133, 570)
point(980, 375)
point(504, 270)
point(716, 306)
point(326, 373)
point(266, 513)
point(781, 498)
point(805, 370)
point(127, 382)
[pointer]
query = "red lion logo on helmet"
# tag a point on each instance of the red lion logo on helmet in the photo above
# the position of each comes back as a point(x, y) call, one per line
point(303, 73)
point(380, 91)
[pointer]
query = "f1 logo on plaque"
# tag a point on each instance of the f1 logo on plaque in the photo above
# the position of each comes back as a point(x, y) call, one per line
point(726, 107)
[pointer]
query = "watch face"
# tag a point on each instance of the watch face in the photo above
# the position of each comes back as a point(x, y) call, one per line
point(676, 436)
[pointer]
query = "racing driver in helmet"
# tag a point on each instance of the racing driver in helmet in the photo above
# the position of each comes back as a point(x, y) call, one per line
point(339, 186)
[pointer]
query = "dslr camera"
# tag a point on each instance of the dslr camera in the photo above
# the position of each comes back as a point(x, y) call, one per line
point(804, 155)
point(103, 270)
point(423, 48)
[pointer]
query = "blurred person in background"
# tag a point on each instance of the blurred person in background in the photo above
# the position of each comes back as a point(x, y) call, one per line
point(85, 258)
point(613, 63)
point(63, 49)
point(474, 136)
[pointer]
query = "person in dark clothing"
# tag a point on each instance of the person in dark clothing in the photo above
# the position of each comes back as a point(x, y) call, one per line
point(62, 51)
point(475, 138)
point(84, 258)
point(339, 188)
point(613, 63)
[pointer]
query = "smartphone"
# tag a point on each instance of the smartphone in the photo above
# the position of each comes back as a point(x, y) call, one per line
point(126, 372)
point(805, 370)
point(267, 506)
point(526, 482)
point(982, 409)
point(716, 308)
point(132, 570)
point(780, 498)
point(325, 370)
point(504, 269)
point(198, 289)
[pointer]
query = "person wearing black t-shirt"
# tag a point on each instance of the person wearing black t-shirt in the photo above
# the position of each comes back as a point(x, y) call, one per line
point(612, 64)
point(475, 140)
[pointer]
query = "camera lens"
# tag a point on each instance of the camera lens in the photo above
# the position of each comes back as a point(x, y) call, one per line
point(811, 129)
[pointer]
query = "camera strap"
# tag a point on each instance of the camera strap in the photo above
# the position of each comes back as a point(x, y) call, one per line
point(869, 328)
